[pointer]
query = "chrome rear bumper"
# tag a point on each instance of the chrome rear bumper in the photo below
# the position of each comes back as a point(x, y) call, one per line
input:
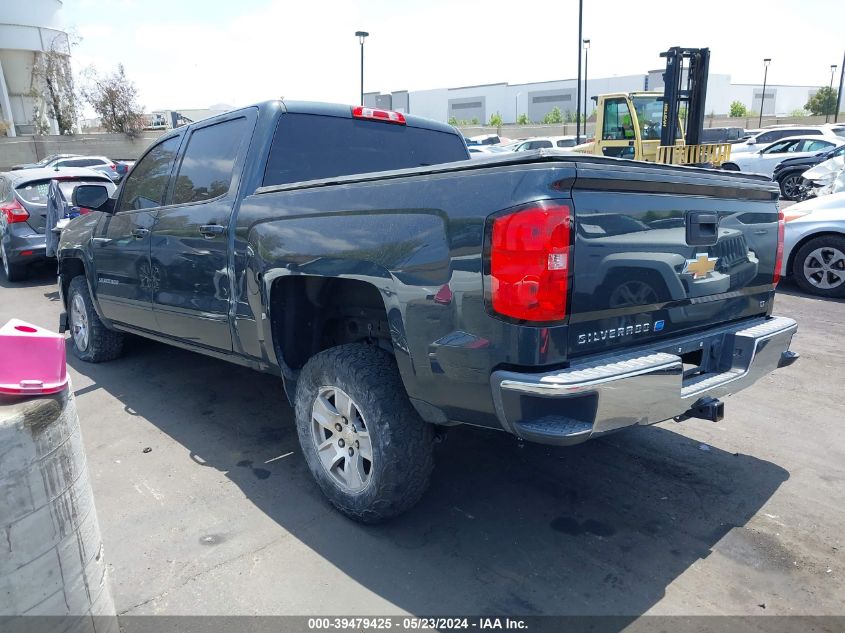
point(606, 393)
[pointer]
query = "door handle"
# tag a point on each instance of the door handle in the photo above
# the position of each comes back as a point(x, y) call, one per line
point(702, 228)
point(212, 230)
point(140, 233)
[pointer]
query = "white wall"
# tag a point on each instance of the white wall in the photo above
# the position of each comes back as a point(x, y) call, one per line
point(786, 98)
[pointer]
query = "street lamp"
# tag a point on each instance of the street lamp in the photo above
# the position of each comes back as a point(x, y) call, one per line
point(830, 94)
point(578, 90)
point(766, 62)
point(516, 108)
point(839, 94)
point(362, 35)
point(586, 62)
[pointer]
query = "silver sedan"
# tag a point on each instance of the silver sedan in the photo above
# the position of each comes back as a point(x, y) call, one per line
point(814, 245)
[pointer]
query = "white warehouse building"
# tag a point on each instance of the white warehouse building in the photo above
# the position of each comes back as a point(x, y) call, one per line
point(27, 29)
point(537, 99)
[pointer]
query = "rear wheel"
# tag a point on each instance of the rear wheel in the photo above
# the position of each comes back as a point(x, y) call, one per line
point(819, 266)
point(91, 340)
point(364, 443)
point(792, 187)
point(730, 166)
point(13, 272)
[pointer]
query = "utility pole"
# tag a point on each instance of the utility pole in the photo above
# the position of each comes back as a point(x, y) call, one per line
point(578, 97)
point(362, 35)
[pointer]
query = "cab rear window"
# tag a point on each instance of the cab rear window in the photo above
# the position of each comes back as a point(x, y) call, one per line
point(311, 147)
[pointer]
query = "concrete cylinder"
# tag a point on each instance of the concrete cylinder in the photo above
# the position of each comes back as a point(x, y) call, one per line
point(51, 551)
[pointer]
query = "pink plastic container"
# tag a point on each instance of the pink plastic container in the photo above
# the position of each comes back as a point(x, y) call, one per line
point(32, 360)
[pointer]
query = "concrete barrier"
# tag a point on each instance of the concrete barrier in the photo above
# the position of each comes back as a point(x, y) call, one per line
point(52, 553)
point(31, 149)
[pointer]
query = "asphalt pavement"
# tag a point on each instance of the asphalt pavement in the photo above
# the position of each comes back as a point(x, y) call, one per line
point(220, 515)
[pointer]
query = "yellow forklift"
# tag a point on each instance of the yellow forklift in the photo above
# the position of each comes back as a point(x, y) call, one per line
point(647, 125)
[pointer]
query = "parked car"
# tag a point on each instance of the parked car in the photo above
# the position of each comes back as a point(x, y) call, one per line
point(765, 160)
point(545, 142)
point(814, 245)
point(483, 139)
point(398, 287)
point(768, 136)
point(788, 173)
point(48, 161)
point(23, 212)
point(101, 164)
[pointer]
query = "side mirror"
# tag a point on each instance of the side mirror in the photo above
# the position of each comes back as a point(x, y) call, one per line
point(94, 197)
point(751, 141)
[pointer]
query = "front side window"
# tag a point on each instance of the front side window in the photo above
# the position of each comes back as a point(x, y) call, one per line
point(617, 124)
point(146, 185)
point(206, 169)
point(780, 148)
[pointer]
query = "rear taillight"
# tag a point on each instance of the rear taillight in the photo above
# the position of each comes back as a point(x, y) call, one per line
point(113, 167)
point(529, 262)
point(779, 254)
point(14, 212)
point(388, 116)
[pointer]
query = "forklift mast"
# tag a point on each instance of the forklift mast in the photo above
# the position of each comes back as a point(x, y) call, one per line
point(693, 95)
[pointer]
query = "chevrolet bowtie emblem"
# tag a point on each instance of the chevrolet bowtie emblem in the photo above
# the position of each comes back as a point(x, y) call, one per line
point(701, 266)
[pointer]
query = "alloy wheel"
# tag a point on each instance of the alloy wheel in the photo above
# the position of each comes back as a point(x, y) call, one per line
point(825, 268)
point(79, 323)
point(342, 439)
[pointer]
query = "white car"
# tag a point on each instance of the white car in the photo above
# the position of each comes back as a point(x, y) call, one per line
point(546, 142)
point(814, 245)
point(765, 160)
point(764, 137)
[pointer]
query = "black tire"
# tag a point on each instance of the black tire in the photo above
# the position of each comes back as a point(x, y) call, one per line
point(402, 443)
point(103, 344)
point(790, 186)
point(730, 166)
point(808, 254)
point(13, 272)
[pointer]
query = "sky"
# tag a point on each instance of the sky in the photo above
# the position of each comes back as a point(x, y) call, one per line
point(185, 54)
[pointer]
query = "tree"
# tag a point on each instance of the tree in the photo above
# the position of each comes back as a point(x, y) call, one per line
point(53, 87)
point(798, 112)
point(555, 116)
point(522, 119)
point(738, 109)
point(823, 102)
point(495, 120)
point(453, 120)
point(115, 100)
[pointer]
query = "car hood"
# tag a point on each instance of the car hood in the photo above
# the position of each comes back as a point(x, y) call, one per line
point(832, 205)
point(809, 161)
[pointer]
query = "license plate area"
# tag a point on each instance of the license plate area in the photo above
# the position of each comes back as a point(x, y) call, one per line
point(701, 356)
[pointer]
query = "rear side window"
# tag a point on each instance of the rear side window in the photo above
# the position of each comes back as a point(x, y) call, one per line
point(566, 143)
point(146, 186)
point(310, 147)
point(34, 192)
point(206, 169)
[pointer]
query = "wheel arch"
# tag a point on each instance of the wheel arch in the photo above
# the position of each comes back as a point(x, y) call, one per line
point(804, 240)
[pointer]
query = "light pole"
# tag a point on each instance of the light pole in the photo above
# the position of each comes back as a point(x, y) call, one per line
point(586, 62)
point(766, 63)
point(830, 93)
point(362, 35)
point(578, 95)
point(516, 108)
point(839, 95)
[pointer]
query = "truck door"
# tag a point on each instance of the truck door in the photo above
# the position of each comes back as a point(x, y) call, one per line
point(121, 242)
point(190, 240)
point(618, 132)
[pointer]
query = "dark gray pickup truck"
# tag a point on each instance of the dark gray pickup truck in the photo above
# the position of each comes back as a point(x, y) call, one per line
point(398, 287)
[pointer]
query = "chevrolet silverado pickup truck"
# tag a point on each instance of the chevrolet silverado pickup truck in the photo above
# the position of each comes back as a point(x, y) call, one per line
point(397, 287)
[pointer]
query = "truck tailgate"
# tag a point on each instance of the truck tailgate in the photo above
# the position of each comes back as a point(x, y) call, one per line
point(661, 251)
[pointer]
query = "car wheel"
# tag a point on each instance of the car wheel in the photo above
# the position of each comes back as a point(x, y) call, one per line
point(730, 166)
point(91, 340)
point(792, 186)
point(366, 446)
point(819, 266)
point(13, 272)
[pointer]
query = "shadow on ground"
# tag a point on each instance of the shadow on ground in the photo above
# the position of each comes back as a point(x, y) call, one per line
point(601, 528)
point(789, 287)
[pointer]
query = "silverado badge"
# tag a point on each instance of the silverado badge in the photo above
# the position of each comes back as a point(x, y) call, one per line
point(701, 266)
